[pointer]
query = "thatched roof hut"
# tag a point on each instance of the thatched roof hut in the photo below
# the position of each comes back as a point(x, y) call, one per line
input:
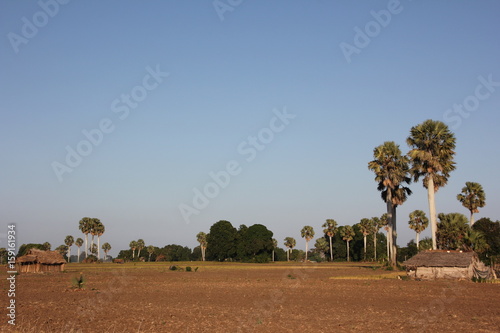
point(436, 264)
point(36, 261)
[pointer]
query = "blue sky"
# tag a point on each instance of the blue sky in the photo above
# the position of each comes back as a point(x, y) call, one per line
point(227, 79)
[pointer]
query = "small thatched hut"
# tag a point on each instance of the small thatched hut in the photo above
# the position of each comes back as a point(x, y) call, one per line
point(429, 265)
point(37, 261)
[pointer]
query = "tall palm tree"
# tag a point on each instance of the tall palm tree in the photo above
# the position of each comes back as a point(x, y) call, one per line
point(99, 231)
point(347, 234)
point(391, 172)
point(133, 246)
point(151, 250)
point(330, 228)
point(308, 233)
point(106, 247)
point(418, 222)
point(201, 237)
point(472, 198)
point(290, 244)
point(452, 230)
point(431, 156)
point(69, 241)
point(93, 228)
point(366, 228)
point(85, 228)
point(275, 245)
point(375, 221)
point(79, 243)
point(140, 245)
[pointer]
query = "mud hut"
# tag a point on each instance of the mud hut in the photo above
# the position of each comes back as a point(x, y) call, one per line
point(430, 265)
point(38, 261)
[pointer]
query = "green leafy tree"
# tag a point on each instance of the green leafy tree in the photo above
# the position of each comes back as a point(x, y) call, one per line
point(140, 245)
point(255, 243)
point(452, 230)
point(151, 250)
point(221, 241)
point(133, 246)
point(46, 246)
point(62, 249)
point(201, 237)
point(366, 228)
point(472, 198)
point(391, 170)
point(418, 222)
point(491, 232)
point(307, 233)
point(79, 243)
point(24, 248)
point(330, 228)
point(106, 247)
point(290, 244)
point(347, 234)
point(321, 247)
point(69, 241)
point(432, 150)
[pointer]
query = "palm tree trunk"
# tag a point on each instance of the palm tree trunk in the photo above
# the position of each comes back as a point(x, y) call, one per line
point(388, 243)
point(394, 237)
point(331, 250)
point(364, 241)
point(417, 238)
point(375, 246)
point(471, 219)
point(432, 211)
point(69, 254)
point(390, 233)
point(98, 247)
point(307, 243)
point(86, 246)
point(78, 259)
point(288, 254)
point(348, 251)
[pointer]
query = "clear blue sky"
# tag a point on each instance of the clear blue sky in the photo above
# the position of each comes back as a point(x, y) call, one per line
point(69, 68)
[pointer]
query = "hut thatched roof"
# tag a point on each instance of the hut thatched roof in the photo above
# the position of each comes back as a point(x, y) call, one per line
point(42, 257)
point(441, 259)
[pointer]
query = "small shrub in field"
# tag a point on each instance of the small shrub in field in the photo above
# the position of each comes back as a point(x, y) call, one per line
point(173, 268)
point(196, 269)
point(188, 269)
point(79, 282)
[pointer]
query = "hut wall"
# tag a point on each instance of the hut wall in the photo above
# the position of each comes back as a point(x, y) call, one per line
point(431, 273)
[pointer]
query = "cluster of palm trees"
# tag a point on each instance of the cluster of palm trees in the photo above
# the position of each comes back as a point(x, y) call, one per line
point(430, 158)
point(94, 227)
point(139, 245)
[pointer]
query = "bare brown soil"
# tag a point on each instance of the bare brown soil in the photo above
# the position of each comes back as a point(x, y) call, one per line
point(248, 298)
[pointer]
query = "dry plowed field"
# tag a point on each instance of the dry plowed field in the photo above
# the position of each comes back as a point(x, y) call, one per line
point(229, 297)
